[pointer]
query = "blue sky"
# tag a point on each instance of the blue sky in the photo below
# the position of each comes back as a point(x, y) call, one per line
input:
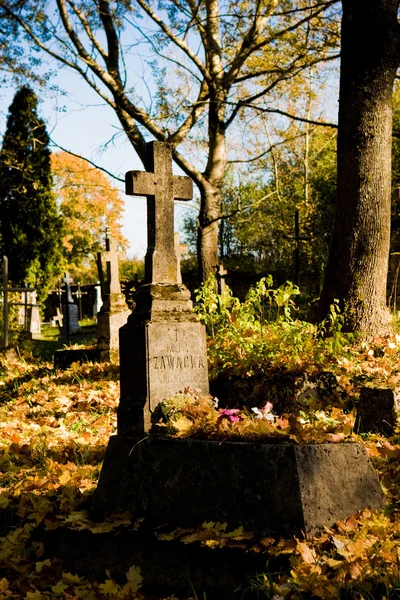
point(78, 122)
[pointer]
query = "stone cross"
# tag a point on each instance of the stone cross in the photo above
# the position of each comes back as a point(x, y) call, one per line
point(161, 188)
point(67, 280)
point(221, 272)
point(180, 250)
point(111, 259)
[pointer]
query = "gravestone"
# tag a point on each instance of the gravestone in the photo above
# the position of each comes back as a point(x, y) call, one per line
point(70, 310)
point(378, 411)
point(272, 489)
point(28, 313)
point(220, 275)
point(114, 311)
point(163, 345)
point(57, 319)
point(98, 301)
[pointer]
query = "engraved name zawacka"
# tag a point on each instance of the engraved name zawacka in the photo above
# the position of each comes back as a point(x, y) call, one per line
point(189, 361)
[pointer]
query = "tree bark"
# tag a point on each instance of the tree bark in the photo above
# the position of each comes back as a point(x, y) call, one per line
point(207, 235)
point(356, 272)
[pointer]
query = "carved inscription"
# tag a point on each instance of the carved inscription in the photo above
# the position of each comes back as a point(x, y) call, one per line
point(177, 359)
point(188, 361)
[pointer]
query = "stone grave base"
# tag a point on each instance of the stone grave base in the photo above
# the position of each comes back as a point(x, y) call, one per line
point(378, 411)
point(270, 489)
point(63, 359)
point(166, 567)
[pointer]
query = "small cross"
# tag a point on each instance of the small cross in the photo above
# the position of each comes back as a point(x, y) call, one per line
point(111, 259)
point(67, 280)
point(79, 295)
point(161, 188)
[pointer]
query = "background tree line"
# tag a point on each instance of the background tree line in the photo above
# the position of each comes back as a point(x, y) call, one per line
point(220, 71)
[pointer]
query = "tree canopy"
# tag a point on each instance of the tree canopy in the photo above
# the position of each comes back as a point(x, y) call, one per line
point(194, 73)
point(30, 224)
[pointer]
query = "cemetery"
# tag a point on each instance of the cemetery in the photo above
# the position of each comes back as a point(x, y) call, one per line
point(217, 416)
point(187, 466)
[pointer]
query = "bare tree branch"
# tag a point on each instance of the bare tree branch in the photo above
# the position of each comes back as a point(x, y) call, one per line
point(90, 162)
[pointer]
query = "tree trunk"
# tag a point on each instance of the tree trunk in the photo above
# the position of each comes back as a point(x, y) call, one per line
point(356, 272)
point(207, 237)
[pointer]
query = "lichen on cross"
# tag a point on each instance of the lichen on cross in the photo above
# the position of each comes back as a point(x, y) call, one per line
point(161, 188)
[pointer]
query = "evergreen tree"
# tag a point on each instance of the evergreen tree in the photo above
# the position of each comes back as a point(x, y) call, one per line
point(30, 224)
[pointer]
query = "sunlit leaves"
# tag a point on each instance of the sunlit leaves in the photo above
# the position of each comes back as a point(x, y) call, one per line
point(88, 203)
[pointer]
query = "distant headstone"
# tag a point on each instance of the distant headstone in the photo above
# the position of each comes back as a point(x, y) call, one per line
point(114, 311)
point(34, 321)
point(57, 319)
point(28, 313)
point(378, 411)
point(163, 346)
point(220, 275)
point(97, 301)
point(70, 310)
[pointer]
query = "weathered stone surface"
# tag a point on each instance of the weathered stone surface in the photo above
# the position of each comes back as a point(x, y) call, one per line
point(162, 346)
point(157, 359)
point(70, 319)
point(161, 188)
point(378, 410)
point(65, 358)
point(114, 311)
point(270, 489)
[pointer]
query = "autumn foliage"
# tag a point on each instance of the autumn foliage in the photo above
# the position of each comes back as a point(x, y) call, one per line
point(89, 203)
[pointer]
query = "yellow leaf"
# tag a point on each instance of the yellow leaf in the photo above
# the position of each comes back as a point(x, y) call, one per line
point(214, 543)
point(134, 577)
point(59, 588)
point(4, 501)
point(36, 595)
point(334, 564)
point(3, 585)
point(109, 587)
point(306, 553)
point(65, 477)
point(70, 578)
point(39, 565)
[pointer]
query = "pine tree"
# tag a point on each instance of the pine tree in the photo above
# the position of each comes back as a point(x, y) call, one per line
point(30, 224)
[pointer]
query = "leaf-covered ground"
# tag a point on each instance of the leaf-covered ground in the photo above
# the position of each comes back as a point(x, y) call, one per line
point(54, 430)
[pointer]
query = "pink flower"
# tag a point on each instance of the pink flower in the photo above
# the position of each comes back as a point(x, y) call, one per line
point(231, 414)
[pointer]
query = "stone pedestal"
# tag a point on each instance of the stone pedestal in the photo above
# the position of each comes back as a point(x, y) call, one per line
point(280, 490)
point(162, 351)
